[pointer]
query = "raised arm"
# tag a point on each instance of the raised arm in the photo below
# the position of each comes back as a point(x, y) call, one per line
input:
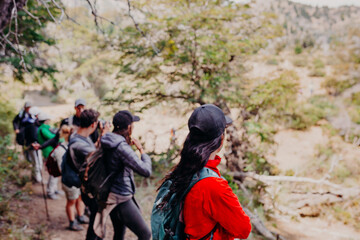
point(130, 158)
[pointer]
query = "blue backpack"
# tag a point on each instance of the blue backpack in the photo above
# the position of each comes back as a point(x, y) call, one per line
point(166, 223)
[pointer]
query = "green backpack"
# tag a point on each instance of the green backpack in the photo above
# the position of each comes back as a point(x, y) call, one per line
point(165, 222)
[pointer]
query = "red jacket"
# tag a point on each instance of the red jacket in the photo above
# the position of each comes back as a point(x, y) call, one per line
point(211, 201)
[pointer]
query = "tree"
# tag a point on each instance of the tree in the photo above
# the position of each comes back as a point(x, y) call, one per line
point(193, 51)
point(22, 26)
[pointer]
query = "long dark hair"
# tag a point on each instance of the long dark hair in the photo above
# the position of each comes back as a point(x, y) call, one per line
point(194, 156)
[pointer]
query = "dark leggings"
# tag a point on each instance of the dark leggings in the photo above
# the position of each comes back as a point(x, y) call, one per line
point(127, 214)
point(93, 207)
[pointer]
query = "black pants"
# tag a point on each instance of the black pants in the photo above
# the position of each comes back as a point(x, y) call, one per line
point(127, 214)
point(93, 207)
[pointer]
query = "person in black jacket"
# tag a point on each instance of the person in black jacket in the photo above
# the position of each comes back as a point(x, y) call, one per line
point(30, 125)
point(123, 161)
point(21, 120)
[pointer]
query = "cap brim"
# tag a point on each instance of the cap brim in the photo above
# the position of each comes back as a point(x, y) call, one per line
point(84, 104)
point(136, 118)
point(228, 120)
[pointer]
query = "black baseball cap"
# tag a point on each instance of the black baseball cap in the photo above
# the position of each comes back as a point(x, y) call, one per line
point(208, 122)
point(123, 119)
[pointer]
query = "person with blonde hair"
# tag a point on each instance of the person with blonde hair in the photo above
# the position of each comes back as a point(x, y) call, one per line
point(73, 196)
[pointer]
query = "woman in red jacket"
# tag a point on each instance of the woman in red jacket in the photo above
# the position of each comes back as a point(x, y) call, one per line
point(211, 210)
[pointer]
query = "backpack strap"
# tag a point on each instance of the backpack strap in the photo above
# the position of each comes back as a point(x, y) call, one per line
point(210, 234)
point(71, 120)
point(202, 174)
point(64, 147)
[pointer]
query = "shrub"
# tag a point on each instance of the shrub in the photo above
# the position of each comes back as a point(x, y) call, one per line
point(298, 49)
point(318, 63)
point(317, 73)
point(309, 113)
point(7, 112)
point(337, 86)
point(272, 61)
point(300, 62)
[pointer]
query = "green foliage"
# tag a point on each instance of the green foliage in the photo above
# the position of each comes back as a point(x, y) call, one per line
point(274, 97)
point(7, 113)
point(315, 109)
point(257, 163)
point(199, 44)
point(163, 162)
point(300, 62)
point(32, 34)
point(11, 179)
point(317, 73)
point(317, 69)
point(264, 131)
point(353, 107)
point(10, 165)
point(318, 63)
point(337, 86)
point(272, 61)
point(298, 49)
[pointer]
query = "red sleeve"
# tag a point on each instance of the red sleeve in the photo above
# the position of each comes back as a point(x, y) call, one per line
point(224, 207)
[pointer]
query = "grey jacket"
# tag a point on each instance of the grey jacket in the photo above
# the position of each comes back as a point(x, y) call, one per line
point(122, 160)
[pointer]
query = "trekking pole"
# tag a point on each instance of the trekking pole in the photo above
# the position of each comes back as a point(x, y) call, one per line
point(43, 188)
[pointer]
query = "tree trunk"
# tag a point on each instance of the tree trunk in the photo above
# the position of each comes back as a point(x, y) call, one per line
point(6, 7)
point(236, 146)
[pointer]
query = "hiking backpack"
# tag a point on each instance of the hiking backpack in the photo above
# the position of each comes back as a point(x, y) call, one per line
point(166, 222)
point(51, 163)
point(95, 176)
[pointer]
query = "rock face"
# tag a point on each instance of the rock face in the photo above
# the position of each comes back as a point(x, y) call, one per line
point(307, 25)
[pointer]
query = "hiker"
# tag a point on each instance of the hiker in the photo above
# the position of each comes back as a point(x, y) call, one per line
point(210, 209)
point(21, 120)
point(122, 160)
point(74, 121)
point(30, 138)
point(73, 197)
point(44, 133)
point(80, 145)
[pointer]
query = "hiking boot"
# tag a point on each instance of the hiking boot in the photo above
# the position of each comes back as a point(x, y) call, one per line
point(82, 219)
point(53, 196)
point(75, 227)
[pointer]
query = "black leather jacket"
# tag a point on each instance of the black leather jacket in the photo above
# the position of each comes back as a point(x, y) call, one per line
point(122, 160)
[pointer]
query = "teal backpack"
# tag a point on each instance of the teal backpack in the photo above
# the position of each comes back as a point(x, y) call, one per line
point(166, 223)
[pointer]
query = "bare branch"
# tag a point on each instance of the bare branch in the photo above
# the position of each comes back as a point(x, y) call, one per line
point(48, 10)
point(93, 12)
point(59, 7)
point(334, 161)
point(31, 15)
point(10, 43)
point(156, 50)
point(266, 179)
point(259, 225)
point(71, 19)
point(22, 62)
point(96, 16)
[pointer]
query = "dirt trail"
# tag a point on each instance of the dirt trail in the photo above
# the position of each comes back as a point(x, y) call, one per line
point(33, 212)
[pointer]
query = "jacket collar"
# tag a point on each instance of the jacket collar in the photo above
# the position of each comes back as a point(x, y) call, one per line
point(212, 164)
